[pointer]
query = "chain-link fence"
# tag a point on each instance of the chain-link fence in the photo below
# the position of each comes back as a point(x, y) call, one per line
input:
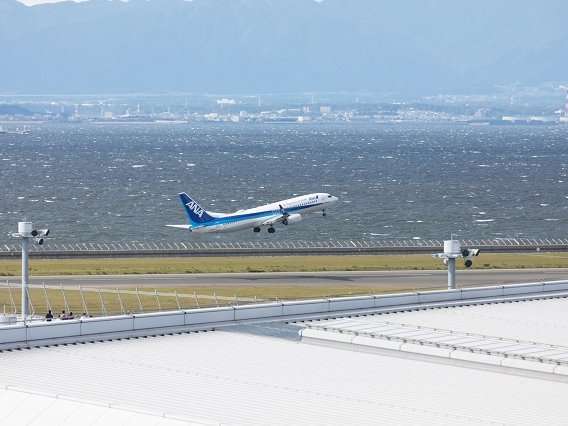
point(212, 247)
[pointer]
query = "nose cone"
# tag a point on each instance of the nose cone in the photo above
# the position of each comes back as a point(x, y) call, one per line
point(333, 199)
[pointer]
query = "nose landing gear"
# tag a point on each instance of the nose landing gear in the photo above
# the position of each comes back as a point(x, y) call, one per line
point(257, 229)
point(324, 213)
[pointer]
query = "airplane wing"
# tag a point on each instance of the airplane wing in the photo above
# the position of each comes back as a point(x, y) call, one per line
point(273, 219)
point(179, 226)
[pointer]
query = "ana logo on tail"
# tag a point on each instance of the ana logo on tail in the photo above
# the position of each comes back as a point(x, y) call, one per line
point(196, 213)
point(194, 207)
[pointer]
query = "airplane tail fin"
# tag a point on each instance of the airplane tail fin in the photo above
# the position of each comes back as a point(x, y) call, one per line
point(195, 212)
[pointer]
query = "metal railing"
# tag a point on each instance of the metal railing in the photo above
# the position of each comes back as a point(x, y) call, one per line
point(91, 301)
point(449, 339)
point(161, 247)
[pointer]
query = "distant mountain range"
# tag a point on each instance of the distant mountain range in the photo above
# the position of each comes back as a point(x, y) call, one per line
point(254, 46)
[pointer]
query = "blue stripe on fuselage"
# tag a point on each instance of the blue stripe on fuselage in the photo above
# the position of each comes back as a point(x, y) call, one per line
point(255, 215)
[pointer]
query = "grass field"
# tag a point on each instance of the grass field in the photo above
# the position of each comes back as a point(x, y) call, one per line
point(92, 302)
point(114, 266)
point(109, 302)
point(130, 301)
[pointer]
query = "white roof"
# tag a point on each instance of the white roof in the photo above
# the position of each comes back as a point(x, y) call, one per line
point(531, 331)
point(544, 320)
point(237, 378)
point(21, 407)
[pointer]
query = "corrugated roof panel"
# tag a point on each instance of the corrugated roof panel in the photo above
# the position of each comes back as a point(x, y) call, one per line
point(236, 378)
point(434, 331)
point(542, 321)
point(24, 408)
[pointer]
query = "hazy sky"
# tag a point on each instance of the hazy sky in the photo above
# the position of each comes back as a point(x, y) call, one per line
point(32, 2)
point(435, 46)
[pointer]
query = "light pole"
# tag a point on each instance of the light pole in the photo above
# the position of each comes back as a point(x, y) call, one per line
point(26, 233)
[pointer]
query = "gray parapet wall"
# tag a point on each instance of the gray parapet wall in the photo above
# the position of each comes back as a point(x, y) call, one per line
point(43, 333)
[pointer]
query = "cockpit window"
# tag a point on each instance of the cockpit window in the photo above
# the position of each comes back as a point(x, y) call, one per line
point(329, 196)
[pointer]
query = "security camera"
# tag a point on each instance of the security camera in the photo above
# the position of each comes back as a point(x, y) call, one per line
point(43, 232)
point(470, 252)
point(34, 233)
point(467, 254)
point(445, 261)
point(39, 241)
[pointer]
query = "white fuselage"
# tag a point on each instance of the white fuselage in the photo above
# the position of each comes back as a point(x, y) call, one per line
point(285, 211)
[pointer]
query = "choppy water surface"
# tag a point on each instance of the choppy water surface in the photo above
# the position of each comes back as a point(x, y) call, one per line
point(119, 182)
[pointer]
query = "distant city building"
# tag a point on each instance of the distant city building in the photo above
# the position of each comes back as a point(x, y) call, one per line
point(481, 113)
point(509, 118)
point(325, 109)
point(211, 116)
point(565, 113)
point(541, 119)
point(225, 101)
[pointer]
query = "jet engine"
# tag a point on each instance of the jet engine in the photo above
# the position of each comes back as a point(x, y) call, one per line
point(293, 218)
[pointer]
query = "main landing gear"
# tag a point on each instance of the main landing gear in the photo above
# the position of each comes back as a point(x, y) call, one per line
point(271, 230)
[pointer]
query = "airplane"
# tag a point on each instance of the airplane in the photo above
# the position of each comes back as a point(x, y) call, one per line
point(285, 212)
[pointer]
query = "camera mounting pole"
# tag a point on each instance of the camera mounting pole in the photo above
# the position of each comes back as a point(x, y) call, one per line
point(26, 233)
point(452, 251)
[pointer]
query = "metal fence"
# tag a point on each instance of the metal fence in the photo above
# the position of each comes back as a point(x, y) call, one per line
point(259, 247)
point(90, 301)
